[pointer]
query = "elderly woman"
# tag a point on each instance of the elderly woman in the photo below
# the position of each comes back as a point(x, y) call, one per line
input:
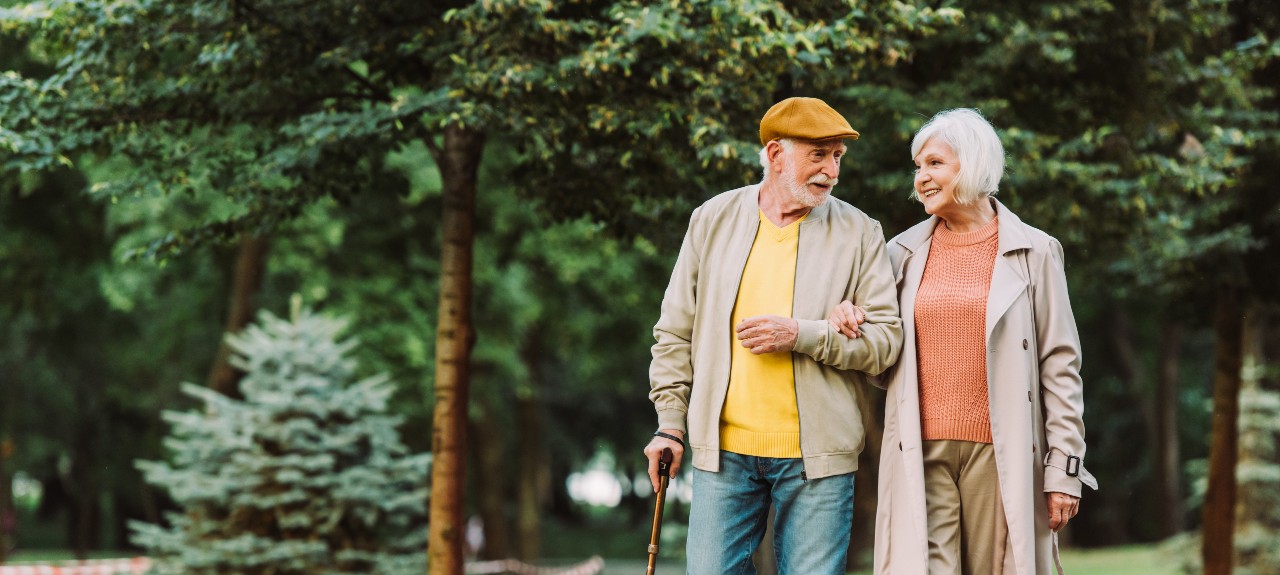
point(982, 460)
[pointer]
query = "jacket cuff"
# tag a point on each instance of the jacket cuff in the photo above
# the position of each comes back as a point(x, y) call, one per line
point(673, 419)
point(812, 336)
point(1056, 478)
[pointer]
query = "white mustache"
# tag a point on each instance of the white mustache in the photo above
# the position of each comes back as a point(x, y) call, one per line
point(823, 180)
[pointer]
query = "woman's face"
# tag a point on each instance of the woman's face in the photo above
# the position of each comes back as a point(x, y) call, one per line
point(937, 167)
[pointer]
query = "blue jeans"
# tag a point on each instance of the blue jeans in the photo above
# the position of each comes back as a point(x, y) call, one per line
point(812, 518)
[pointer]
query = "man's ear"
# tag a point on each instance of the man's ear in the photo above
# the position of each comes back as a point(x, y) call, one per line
point(773, 150)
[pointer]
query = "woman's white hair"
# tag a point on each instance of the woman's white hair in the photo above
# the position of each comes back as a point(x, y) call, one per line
point(786, 144)
point(976, 145)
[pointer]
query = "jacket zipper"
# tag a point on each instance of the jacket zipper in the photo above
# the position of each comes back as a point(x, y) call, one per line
point(795, 386)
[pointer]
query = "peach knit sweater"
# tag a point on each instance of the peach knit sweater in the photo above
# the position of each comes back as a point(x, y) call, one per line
point(951, 338)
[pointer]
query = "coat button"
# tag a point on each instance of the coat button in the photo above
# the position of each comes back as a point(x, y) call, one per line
point(1024, 344)
point(899, 446)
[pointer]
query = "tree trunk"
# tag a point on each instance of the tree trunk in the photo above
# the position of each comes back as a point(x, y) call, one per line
point(533, 476)
point(490, 484)
point(7, 513)
point(1168, 450)
point(86, 510)
point(459, 163)
point(530, 480)
point(245, 285)
point(1133, 373)
point(1220, 498)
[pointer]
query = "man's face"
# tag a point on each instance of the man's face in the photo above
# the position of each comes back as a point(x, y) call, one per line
point(811, 169)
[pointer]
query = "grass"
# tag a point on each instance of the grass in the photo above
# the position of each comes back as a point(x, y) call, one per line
point(1121, 560)
point(1124, 560)
point(624, 551)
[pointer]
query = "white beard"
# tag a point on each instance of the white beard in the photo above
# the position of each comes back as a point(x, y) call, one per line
point(800, 192)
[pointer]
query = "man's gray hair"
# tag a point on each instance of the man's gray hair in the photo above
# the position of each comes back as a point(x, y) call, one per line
point(976, 145)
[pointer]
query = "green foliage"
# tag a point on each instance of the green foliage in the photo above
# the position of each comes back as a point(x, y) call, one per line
point(1128, 127)
point(276, 104)
point(307, 475)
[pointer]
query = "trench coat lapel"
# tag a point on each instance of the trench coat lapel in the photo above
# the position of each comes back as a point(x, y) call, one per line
point(1008, 276)
point(915, 242)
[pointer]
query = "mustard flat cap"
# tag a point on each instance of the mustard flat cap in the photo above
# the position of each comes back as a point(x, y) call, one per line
point(804, 119)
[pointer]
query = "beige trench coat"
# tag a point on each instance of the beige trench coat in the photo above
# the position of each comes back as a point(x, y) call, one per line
point(1031, 337)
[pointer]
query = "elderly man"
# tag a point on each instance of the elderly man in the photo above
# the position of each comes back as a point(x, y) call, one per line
point(746, 367)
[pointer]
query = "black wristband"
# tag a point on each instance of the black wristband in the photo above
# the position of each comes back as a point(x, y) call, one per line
point(669, 436)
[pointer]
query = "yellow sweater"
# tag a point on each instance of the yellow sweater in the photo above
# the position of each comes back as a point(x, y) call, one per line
point(760, 416)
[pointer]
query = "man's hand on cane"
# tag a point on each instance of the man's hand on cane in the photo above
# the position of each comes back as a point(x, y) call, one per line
point(653, 452)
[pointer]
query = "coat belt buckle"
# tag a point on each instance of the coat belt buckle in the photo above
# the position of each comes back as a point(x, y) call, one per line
point(1073, 466)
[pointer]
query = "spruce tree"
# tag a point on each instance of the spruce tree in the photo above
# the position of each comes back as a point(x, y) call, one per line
point(305, 476)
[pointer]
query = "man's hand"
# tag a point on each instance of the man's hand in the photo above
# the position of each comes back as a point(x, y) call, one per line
point(1062, 508)
point(653, 452)
point(846, 318)
point(768, 333)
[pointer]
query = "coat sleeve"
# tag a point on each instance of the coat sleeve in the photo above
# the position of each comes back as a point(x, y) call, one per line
point(874, 289)
point(671, 370)
point(1061, 386)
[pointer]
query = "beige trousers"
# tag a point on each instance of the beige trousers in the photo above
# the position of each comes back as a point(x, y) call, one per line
point(967, 530)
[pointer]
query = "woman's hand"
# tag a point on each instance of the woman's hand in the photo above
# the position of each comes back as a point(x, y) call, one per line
point(1062, 508)
point(846, 317)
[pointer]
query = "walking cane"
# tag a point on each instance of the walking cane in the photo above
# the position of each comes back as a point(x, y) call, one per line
point(664, 475)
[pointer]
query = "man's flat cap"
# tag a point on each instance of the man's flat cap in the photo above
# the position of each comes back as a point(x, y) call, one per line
point(804, 119)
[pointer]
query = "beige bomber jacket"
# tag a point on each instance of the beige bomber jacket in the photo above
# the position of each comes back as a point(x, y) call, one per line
point(841, 256)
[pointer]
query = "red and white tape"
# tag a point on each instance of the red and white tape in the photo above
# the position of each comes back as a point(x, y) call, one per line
point(134, 566)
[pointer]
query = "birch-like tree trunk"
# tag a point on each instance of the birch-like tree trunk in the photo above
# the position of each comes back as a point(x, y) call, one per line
point(459, 162)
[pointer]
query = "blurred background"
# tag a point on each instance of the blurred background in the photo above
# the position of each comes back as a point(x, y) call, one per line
point(492, 195)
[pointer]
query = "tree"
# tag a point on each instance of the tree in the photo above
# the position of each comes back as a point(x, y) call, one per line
point(305, 475)
point(274, 105)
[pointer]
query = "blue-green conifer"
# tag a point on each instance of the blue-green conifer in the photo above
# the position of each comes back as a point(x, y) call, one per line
point(305, 476)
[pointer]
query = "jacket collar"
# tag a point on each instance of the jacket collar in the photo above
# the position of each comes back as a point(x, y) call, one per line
point(749, 205)
point(1011, 233)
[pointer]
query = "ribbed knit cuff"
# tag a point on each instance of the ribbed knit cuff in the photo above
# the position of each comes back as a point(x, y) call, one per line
point(962, 429)
point(759, 443)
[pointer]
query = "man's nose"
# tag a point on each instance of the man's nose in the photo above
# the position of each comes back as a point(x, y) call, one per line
point(831, 167)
